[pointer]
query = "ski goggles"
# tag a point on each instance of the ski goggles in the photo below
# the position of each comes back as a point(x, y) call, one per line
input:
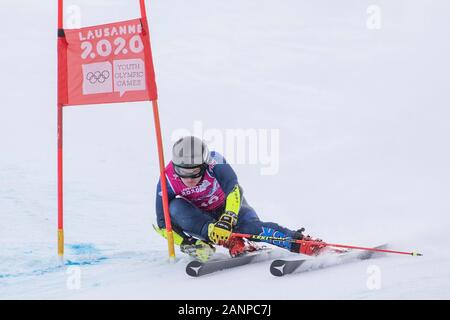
point(195, 172)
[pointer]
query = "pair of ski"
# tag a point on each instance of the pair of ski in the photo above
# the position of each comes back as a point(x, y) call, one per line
point(278, 267)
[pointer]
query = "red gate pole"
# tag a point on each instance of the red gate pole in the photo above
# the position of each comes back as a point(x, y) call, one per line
point(163, 181)
point(60, 183)
point(162, 166)
point(60, 137)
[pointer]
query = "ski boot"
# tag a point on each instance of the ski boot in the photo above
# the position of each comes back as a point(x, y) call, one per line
point(310, 249)
point(197, 249)
point(238, 246)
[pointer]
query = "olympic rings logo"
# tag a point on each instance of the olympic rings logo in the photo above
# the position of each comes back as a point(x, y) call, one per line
point(97, 77)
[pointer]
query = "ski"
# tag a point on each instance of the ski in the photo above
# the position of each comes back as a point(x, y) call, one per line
point(197, 268)
point(281, 268)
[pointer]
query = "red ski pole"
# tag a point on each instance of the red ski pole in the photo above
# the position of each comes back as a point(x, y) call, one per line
point(321, 243)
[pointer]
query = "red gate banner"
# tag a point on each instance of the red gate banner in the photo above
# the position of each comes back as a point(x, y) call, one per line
point(108, 63)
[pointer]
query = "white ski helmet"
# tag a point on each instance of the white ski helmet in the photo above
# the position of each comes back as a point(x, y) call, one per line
point(190, 156)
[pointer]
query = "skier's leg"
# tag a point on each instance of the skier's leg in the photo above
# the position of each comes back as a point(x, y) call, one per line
point(186, 218)
point(249, 223)
point(190, 219)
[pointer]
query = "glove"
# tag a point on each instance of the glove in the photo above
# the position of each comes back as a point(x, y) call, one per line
point(220, 231)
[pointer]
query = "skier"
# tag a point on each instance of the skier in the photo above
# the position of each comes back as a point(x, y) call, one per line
point(207, 205)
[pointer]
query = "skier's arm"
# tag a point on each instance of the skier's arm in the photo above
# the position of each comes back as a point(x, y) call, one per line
point(227, 178)
point(233, 202)
point(228, 181)
point(159, 205)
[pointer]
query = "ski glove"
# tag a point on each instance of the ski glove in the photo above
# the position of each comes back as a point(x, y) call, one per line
point(220, 231)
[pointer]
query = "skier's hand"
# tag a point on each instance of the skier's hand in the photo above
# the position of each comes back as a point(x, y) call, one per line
point(221, 230)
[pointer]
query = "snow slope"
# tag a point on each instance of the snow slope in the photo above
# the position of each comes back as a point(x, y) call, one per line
point(363, 121)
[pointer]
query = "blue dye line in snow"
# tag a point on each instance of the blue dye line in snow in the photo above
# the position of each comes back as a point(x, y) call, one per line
point(85, 263)
point(38, 272)
point(81, 249)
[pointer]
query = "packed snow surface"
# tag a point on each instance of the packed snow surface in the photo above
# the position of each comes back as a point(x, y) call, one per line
point(354, 93)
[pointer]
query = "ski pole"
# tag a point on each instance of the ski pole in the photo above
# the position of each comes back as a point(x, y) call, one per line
point(321, 243)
